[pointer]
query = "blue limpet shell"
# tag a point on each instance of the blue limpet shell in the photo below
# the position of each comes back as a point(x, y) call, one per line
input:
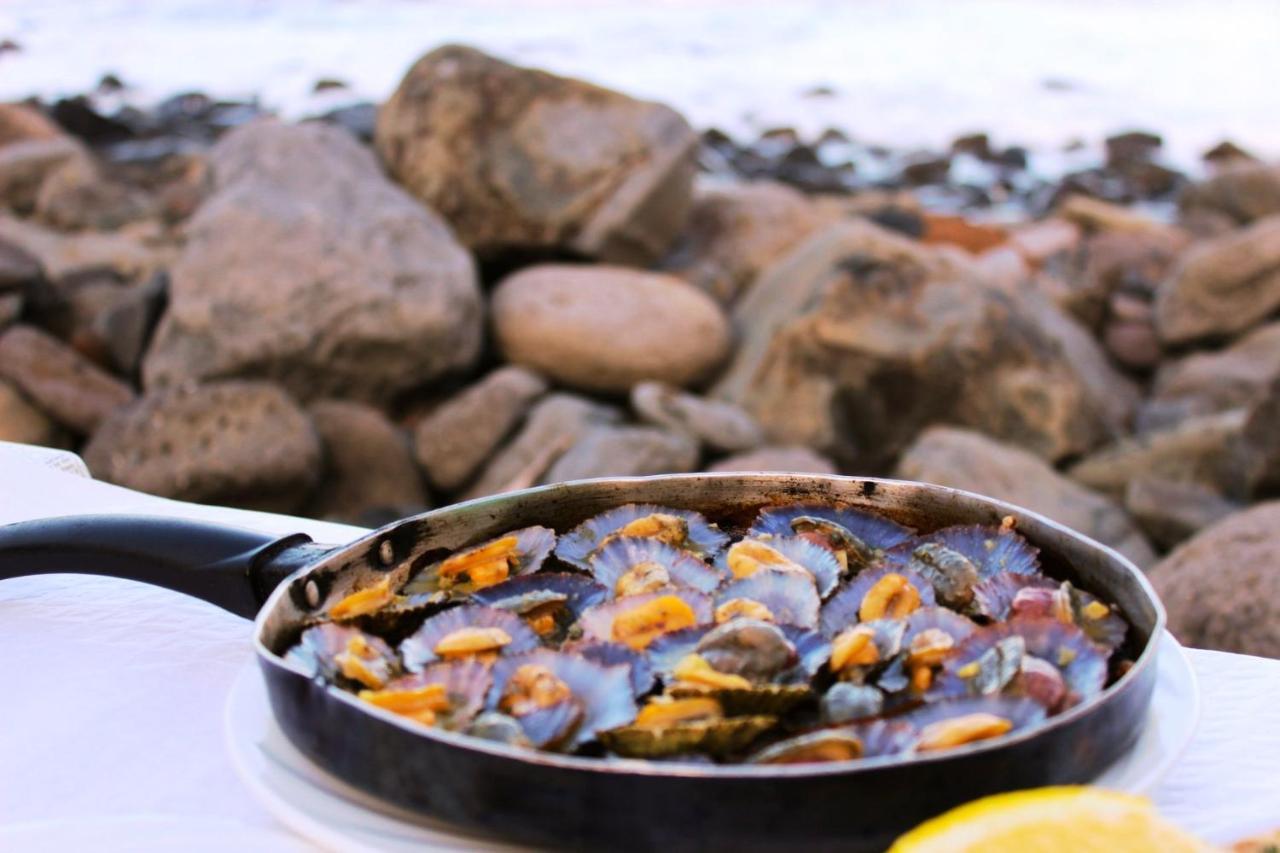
point(528, 593)
point(812, 650)
point(873, 530)
point(667, 651)
point(841, 611)
point(845, 701)
point(1019, 711)
point(790, 596)
point(549, 728)
point(597, 621)
point(810, 556)
point(604, 692)
point(992, 550)
point(993, 596)
point(1108, 631)
point(575, 547)
point(1083, 663)
point(958, 627)
point(319, 646)
point(466, 683)
point(618, 557)
point(418, 649)
point(533, 546)
point(616, 654)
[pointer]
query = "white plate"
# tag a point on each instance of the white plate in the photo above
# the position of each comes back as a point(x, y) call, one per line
point(335, 815)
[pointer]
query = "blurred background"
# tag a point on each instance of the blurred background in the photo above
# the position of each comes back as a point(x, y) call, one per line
point(355, 258)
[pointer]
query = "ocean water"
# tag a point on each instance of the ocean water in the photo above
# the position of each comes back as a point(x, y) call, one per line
point(898, 72)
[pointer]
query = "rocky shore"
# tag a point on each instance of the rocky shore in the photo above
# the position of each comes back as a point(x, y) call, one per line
point(501, 277)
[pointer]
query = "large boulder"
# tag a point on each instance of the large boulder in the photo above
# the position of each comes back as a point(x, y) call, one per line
point(774, 458)
point(603, 328)
point(367, 464)
point(1206, 382)
point(1169, 511)
point(1221, 588)
point(240, 443)
point(963, 459)
point(1244, 191)
point(519, 158)
point(1224, 286)
point(858, 338)
point(308, 267)
point(455, 439)
point(72, 390)
point(625, 451)
point(19, 123)
point(736, 230)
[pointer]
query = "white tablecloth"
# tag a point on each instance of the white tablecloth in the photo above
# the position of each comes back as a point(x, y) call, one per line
point(111, 715)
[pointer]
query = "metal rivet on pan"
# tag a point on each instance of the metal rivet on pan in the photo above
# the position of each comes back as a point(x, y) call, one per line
point(312, 592)
point(386, 553)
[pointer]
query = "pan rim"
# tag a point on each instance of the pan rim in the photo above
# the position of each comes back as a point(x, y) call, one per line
point(746, 772)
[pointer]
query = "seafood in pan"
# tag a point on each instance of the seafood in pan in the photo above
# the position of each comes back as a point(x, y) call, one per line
point(810, 634)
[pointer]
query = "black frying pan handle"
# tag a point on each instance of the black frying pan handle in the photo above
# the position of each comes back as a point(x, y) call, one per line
point(231, 567)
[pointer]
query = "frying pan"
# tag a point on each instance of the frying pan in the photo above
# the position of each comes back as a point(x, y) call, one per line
point(588, 803)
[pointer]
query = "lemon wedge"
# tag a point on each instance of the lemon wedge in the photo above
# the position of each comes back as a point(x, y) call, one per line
point(1066, 819)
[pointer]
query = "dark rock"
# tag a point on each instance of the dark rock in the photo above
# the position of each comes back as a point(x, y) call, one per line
point(328, 84)
point(717, 425)
point(976, 144)
point(79, 118)
point(504, 155)
point(775, 458)
point(963, 459)
point(358, 119)
point(127, 324)
point(1135, 145)
point(454, 440)
point(369, 293)
point(1225, 152)
point(1222, 287)
point(603, 328)
point(368, 466)
point(1169, 511)
point(109, 84)
point(11, 305)
point(65, 385)
point(1221, 589)
point(926, 169)
point(900, 219)
point(18, 268)
point(1134, 345)
point(240, 443)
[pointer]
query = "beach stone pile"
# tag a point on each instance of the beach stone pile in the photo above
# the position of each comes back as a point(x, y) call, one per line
point(502, 278)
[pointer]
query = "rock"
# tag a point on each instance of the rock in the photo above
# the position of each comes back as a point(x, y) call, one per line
point(1037, 242)
point(71, 389)
point(1260, 445)
point(1206, 382)
point(518, 158)
point(23, 423)
point(926, 169)
point(1221, 589)
point(359, 120)
point(1134, 145)
point(602, 328)
point(18, 268)
point(775, 458)
point(857, 339)
point(1094, 214)
point(1134, 345)
point(126, 325)
point(67, 258)
point(977, 144)
point(240, 443)
point(958, 231)
point(368, 466)
point(625, 451)
point(718, 425)
point(78, 196)
point(1226, 152)
point(1204, 450)
point(963, 459)
point(1169, 511)
point(24, 167)
point(736, 230)
point(20, 123)
point(452, 442)
point(1222, 287)
point(1245, 191)
point(554, 425)
point(11, 305)
point(369, 294)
